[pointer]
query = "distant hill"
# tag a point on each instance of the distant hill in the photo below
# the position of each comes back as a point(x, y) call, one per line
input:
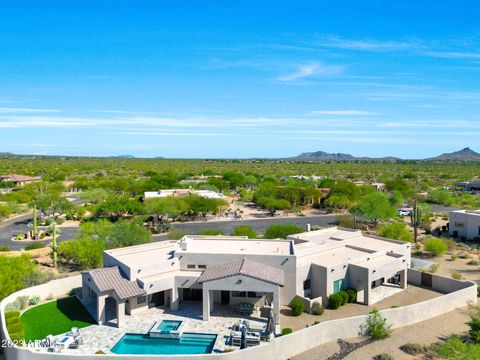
point(464, 155)
point(6, 154)
point(324, 156)
point(124, 156)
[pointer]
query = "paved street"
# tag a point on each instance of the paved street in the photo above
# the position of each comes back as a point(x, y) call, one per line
point(11, 227)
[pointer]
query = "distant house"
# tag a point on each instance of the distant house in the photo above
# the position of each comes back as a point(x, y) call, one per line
point(465, 224)
point(471, 186)
point(19, 180)
point(209, 194)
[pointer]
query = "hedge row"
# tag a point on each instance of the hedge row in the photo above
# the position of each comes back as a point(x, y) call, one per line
point(340, 298)
point(14, 327)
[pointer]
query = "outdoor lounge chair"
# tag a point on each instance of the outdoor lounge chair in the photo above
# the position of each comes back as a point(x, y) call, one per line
point(252, 338)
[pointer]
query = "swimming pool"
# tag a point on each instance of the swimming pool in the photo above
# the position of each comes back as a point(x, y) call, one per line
point(169, 325)
point(188, 343)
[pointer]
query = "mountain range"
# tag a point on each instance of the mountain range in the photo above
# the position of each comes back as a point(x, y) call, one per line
point(464, 155)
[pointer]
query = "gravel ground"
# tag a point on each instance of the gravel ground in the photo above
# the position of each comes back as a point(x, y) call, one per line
point(425, 333)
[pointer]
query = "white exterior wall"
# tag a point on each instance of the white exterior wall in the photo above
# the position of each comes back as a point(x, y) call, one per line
point(471, 224)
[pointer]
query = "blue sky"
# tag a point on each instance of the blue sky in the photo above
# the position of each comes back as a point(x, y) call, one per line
point(239, 79)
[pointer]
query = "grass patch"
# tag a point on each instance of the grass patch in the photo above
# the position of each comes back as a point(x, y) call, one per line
point(55, 317)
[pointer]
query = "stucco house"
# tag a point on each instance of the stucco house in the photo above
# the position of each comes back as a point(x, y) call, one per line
point(209, 194)
point(464, 224)
point(19, 180)
point(232, 270)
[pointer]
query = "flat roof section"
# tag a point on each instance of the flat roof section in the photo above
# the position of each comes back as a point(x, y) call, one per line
point(221, 245)
point(336, 256)
point(378, 261)
point(374, 244)
point(151, 253)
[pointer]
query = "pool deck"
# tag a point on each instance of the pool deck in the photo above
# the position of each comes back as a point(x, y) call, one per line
point(101, 337)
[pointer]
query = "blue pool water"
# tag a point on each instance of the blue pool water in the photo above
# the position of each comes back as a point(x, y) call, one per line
point(189, 343)
point(169, 325)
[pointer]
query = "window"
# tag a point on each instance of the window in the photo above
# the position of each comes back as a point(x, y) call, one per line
point(202, 266)
point(337, 285)
point(307, 284)
point(141, 299)
point(254, 294)
point(190, 266)
point(459, 224)
point(239, 294)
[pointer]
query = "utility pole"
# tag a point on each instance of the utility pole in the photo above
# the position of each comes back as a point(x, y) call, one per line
point(35, 222)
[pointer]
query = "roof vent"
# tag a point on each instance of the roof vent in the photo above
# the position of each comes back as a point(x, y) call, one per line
point(183, 244)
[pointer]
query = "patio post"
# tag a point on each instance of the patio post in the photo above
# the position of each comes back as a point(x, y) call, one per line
point(120, 313)
point(206, 304)
point(276, 305)
point(174, 300)
point(403, 279)
point(101, 309)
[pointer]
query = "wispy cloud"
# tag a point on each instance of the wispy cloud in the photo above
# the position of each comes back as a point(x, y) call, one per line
point(15, 110)
point(333, 41)
point(344, 112)
point(311, 69)
point(453, 54)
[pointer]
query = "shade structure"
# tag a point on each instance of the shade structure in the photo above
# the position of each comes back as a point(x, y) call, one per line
point(243, 340)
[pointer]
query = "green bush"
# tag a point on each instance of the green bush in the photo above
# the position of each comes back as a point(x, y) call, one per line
point(435, 246)
point(245, 230)
point(297, 307)
point(286, 331)
point(455, 348)
point(4, 248)
point(412, 348)
point(474, 331)
point(377, 327)
point(344, 296)
point(352, 295)
point(176, 234)
point(335, 300)
point(35, 245)
point(281, 231)
point(397, 231)
point(317, 308)
point(211, 232)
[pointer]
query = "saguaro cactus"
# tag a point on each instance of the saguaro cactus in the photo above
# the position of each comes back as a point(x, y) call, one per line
point(415, 220)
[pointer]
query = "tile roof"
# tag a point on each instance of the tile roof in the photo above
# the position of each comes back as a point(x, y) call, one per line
point(244, 267)
point(108, 279)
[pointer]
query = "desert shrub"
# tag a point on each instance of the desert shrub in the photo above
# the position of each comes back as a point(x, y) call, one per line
point(317, 308)
point(478, 291)
point(211, 232)
point(35, 245)
point(473, 262)
point(286, 331)
point(335, 300)
point(282, 231)
point(176, 234)
point(412, 348)
point(49, 296)
point(34, 300)
point(344, 296)
point(4, 248)
point(474, 331)
point(297, 307)
point(457, 276)
point(352, 295)
point(377, 327)
point(383, 356)
point(433, 268)
point(453, 257)
point(245, 230)
point(455, 348)
point(435, 246)
point(397, 231)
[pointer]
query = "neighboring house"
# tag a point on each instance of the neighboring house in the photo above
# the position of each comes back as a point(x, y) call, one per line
point(471, 186)
point(464, 224)
point(231, 270)
point(19, 180)
point(209, 194)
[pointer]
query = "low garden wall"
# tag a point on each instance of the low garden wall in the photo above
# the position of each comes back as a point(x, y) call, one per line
point(461, 293)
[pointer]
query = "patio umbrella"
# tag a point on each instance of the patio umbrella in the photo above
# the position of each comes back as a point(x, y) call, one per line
point(243, 340)
point(270, 323)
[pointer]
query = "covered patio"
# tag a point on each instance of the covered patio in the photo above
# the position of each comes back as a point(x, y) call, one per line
point(241, 283)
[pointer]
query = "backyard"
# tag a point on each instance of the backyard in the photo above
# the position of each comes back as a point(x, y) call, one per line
point(55, 317)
